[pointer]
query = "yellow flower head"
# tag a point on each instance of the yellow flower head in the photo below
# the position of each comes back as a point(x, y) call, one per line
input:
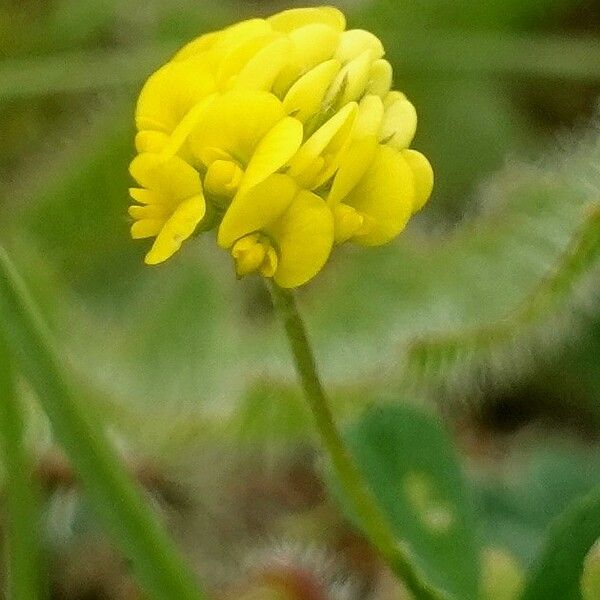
point(285, 135)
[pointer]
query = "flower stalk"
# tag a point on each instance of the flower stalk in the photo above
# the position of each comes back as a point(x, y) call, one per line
point(370, 514)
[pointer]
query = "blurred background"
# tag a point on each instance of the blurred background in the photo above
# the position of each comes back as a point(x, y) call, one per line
point(484, 314)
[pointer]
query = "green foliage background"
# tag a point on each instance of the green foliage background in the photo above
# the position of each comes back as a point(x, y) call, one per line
point(485, 311)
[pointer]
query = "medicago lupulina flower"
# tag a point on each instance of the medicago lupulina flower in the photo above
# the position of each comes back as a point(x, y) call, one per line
point(285, 136)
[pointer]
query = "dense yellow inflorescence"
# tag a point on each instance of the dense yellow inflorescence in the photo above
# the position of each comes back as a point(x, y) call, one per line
point(282, 133)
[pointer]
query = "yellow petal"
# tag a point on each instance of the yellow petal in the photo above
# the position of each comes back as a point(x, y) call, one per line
point(261, 71)
point(254, 253)
point(177, 142)
point(355, 42)
point(170, 176)
point(311, 46)
point(239, 33)
point(423, 174)
point(380, 78)
point(386, 195)
point(369, 118)
point(198, 46)
point(352, 81)
point(304, 237)
point(222, 42)
point(305, 98)
point(232, 62)
point(144, 196)
point(347, 222)
point(270, 264)
point(392, 98)
point(151, 141)
point(317, 159)
point(171, 92)
point(399, 122)
point(150, 211)
point(146, 228)
point(288, 20)
point(255, 209)
point(314, 44)
point(234, 125)
point(273, 152)
point(177, 229)
point(353, 165)
point(249, 254)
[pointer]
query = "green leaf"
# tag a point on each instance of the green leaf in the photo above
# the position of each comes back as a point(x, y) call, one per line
point(408, 460)
point(590, 580)
point(558, 572)
point(535, 487)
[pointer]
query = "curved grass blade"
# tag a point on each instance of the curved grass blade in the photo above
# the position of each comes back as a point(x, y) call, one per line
point(115, 498)
point(24, 554)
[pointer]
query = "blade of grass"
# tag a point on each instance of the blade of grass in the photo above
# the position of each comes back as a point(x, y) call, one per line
point(116, 499)
point(572, 58)
point(80, 71)
point(479, 53)
point(23, 547)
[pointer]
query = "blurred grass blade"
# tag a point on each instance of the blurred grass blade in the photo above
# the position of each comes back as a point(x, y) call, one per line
point(557, 575)
point(24, 554)
point(548, 56)
point(440, 51)
point(27, 77)
point(130, 521)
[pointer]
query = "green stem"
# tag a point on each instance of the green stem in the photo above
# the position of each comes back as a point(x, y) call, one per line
point(370, 514)
point(24, 552)
point(117, 500)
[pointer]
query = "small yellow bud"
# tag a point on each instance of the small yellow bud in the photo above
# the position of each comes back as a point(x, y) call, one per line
point(254, 254)
point(223, 179)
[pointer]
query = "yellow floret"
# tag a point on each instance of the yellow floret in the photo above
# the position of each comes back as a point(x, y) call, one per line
point(284, 134)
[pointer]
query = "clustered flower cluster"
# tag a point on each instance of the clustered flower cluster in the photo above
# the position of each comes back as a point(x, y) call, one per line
point(284, 135)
